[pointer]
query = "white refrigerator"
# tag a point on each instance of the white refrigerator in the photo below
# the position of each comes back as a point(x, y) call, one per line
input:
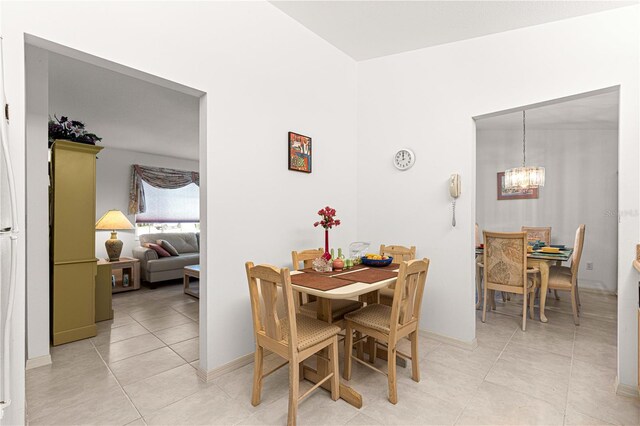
point(8, 249)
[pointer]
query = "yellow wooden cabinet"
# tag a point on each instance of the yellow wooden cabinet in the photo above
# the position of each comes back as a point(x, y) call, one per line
point(73, 216)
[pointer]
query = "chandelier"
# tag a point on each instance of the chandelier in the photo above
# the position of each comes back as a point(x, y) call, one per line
point(526, 176)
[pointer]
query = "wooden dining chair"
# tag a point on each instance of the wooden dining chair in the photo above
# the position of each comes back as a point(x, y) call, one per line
point(538, 233)
point(480, 274)
point(294, 337)
point(565, 278)
point(307, 304)
point(399, 254)
point(505, 269)
point(388, 324)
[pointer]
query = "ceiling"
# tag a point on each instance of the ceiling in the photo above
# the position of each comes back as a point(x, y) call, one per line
point(597, 112)
point(127, 112)
point(370, 29)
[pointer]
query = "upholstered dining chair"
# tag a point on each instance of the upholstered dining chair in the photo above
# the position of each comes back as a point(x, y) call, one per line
point(479, 275)
point(307, 304)
point(538, 233)
point(505, 269)
point(566, 278)
point(292, 336)
point(388, 324)
point(399, 254)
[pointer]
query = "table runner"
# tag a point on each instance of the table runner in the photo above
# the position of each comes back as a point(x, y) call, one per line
point(319, 282)
point(369, 276)
point(332, 273)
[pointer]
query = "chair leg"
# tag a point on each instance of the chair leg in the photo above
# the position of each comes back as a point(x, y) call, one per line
point(574, 305)
point(556, 294)
point(532, 300)
point(294, 383)
point(484, 304)
point(335, 370)
point(578, 296)
point(504, 297)
point(391, 374)
point(348, 350)
point(493, 300)
point(524, 310)
point(371, 343)
point(508, 297)
point(257, 375)
point(359, 346)
point(415, 366)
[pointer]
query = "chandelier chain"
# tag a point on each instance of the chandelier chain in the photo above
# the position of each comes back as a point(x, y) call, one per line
point(524, 140)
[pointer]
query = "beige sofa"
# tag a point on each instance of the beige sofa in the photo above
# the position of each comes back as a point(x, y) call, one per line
point(154, 268)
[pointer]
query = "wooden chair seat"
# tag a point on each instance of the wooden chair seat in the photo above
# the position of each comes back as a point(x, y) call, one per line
point(374, 316)
point(339, 307)
point(566, 270)
point(558, 279)
point(310, 331)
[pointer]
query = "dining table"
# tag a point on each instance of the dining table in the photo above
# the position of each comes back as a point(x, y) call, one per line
point(361, 283)
point(535, 259)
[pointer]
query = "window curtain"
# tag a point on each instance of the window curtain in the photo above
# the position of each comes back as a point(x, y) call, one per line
point(158, 177)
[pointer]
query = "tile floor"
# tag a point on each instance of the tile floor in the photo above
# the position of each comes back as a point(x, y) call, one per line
point(140, 369)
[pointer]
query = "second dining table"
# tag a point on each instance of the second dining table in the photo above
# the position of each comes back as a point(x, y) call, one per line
point(535, 259)
point(359, 282)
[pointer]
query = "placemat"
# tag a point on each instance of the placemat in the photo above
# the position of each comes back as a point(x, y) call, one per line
point(313, 271)
point(371, 275)
point(319, 282)
point(390, 267)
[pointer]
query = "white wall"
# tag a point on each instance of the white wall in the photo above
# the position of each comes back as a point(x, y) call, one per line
point(581, 187)
point(426, 99)
point(264, 75)
point(113, 179)
point(37, 230)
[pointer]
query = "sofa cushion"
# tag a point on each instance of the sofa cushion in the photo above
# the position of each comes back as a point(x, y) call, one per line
point(184, 242)
point(156, 247)
point(173, 262)
point(168, 247)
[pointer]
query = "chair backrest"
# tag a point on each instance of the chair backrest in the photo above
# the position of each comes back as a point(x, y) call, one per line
point(478, 240)
point(577, 249)
point(263, 290)
point(535, 233)
point(505, 258)
point(305, 256)
point(407, 295)
point(399, 253)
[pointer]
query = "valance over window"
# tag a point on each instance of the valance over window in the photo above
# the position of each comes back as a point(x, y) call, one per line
point(157, 177)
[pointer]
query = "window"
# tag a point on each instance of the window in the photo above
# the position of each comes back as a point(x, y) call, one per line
point(165, 206)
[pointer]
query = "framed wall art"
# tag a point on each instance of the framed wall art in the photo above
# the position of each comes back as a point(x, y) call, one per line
point(514, 194)
point(299, 153)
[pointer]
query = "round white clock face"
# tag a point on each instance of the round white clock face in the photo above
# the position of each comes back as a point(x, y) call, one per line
point(404, 159)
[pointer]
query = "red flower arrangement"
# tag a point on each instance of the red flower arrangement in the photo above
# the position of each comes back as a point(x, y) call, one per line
point(328, 221)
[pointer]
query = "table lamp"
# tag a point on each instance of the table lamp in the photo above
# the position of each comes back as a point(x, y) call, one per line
point(113, 220)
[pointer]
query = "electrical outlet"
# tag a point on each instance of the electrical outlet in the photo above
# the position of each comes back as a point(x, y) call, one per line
point(589, 266)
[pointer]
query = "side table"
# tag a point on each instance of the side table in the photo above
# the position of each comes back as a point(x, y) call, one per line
point(125, 274)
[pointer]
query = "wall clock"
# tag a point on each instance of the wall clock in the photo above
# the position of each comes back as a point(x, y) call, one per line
point(404, 159)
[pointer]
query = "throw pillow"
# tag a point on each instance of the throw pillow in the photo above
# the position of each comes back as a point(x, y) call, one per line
point(155, 247)
point(168, 247)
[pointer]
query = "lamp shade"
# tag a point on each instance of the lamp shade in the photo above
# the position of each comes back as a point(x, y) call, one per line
point(113, 220)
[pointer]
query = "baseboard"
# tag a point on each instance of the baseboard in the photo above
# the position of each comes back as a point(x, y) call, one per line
point(464, 344)
point(207, 376)
point(38, 361)
point(626, 390)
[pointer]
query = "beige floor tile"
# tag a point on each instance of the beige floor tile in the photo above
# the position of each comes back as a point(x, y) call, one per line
point(543, 384)
point(171, 320)
point(149, 311)
point(139, 367)
point(317, 409)
point(475, 362)
point(533, 358)
point(546, 337)
point(596, 349)
point(206, 407)
point(137, 422)
point(179, 333)
point(362, 419)
point(498, 405)
point(119, 319)
point(189, 349)
point(574, 418)
point(152, 394)
point(112, 352)
point(113, 335)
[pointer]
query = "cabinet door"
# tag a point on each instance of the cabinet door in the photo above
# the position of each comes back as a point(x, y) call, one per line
point(73, 299)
